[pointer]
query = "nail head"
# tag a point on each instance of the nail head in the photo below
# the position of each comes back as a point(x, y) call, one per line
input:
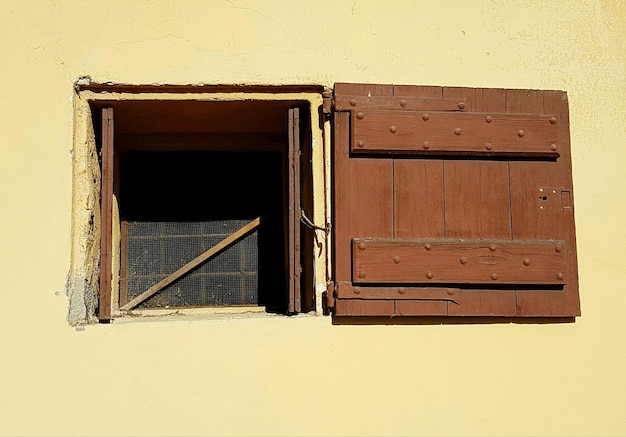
point(559, 276)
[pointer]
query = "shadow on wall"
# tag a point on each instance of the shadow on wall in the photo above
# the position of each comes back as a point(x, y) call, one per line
point(351, 320)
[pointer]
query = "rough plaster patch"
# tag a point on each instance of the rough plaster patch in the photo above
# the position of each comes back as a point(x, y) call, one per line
point(83, 277)
point(82, 301)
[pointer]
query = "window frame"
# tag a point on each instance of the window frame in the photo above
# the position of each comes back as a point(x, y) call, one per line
point(84, 267)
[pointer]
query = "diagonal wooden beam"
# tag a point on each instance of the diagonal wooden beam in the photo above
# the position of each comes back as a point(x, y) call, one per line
point(232, 238)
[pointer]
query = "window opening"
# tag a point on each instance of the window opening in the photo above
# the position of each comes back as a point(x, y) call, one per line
point(177, 205)
point(189, 175)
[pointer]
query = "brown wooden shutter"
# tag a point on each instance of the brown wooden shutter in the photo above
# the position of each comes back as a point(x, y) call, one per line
point(292, 241)
point(452, 201)
point(106, 213)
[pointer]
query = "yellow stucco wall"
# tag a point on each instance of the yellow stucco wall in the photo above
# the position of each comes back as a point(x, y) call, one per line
point(273, 375)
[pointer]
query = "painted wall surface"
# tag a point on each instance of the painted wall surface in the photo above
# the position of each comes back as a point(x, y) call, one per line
point(276, 375)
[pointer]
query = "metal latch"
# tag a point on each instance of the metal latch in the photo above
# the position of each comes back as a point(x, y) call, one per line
point(551, 197)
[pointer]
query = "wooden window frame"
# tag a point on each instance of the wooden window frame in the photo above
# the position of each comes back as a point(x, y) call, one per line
point(300, 96)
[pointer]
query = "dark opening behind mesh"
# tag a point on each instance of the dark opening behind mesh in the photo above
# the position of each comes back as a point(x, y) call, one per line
point(178, 205)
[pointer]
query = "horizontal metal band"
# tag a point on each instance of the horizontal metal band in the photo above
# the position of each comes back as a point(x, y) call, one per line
point(385, 261)
point(390, 308)
point(345, 290)
point(435, 133)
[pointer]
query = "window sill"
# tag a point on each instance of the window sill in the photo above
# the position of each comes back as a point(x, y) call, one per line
point(206, 313)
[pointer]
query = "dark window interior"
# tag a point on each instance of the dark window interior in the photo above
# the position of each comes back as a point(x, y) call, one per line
point(178, 204)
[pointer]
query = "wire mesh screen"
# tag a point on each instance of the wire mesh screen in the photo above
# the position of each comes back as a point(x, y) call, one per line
point(177, 205)
point(157, 249)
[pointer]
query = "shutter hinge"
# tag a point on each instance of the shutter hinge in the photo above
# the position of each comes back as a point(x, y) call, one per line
point(327, 103)
point(329, 298)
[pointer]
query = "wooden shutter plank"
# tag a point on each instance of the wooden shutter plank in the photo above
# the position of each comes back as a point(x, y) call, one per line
point(547, 214)
point(363, 197)
point(363, 89)
point(418, 90)
point(483, 303)
point(106, 236)
point(469, 94)
point(555, 102)
point(524, 101)
point(548, 303)
point(400, 103)
point(356, 307)
point(418, 198)
point(458, 262)
point(371, 213)
point(479, 99)
point(455, 133)
point(477, 200)
point(537, 202)
point(532, 218)
point(421, 308)
point(341, 197)
point(489, 100)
